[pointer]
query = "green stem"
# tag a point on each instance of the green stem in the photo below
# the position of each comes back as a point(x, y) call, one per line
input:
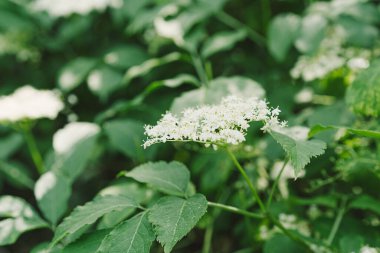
point(233, 209)
point(208, 239)
point(266, 11)
point(337, 222)
point(33, 149)
point(244, 174)
point(198, 65)
point(274, 187)
point(236, 24)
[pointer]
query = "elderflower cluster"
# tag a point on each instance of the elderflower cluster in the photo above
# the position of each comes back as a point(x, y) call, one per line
point(367, 249)
point(225, 123)
point(29, 103)
point(64, 8)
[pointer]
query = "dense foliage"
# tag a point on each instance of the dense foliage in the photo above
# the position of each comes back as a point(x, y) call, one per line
point(189, 126)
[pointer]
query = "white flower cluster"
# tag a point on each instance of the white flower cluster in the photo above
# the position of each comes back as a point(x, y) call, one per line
point(225, 123)
point(64, 8)
point(29, 103)
point(330, 56)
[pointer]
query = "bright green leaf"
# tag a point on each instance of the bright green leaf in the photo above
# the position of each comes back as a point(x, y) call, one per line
point(174, 217)
point(89, 213)
point(171, 178)
point(132, 236)
point(361, 132)
point(52, 188)
point(366, 202)
point(282, 33)
point(222, 41)
point(300, 152)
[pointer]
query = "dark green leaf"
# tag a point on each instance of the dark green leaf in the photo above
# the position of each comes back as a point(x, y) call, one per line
point(174, 217)
point(171, 178)
point(132, 236)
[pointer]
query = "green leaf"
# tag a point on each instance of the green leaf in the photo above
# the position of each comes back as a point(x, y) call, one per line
point(312, 32)
point(365, 202)
point(132, 236)
point(218, 88)
point(300, 152)
point(173, 82)
point(363, 96)
point(89, 242)
point(174, 217)
point(89, 213)
point(9, 144)
point(361, 132)
point(149, 65)
point(280, 243)
point(222, 41)
point(79, 140)
point(282, 33)
point(16, 174)
point(52, 188)
point(351, 243)
point(20, 218)
point(75, 72)
point(104, 81)
point(128, 136)
point(171, 178)
point(125, 56)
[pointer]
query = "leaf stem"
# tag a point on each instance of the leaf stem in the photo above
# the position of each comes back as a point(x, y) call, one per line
point(33, 149)
point(234, 209)
point(337, 222)
point(274, 187)
point(232, 22)
point(244, 174)
point(198, 65)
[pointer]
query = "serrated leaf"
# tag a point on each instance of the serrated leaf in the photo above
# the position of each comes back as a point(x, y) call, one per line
point(282, 33)
point(75, 72)
point(174, 217)
point(87, 243)
point(300, 152)
point(222, 41)
point(89, 213)
point(21, 218)
point(366, 202)
point(363, 96)
point(132, 236)
point(361, 132)
point(172, 178)
point(52, 188)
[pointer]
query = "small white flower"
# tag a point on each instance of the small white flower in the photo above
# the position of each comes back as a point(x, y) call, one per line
point(225, 123)
point(29, 103)
point(66, 138)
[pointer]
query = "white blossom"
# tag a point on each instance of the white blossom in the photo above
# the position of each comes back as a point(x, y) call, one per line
point(66, 138)
point(29, 103)
point(367, 249)
point(225, 123)
point(64, 8)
